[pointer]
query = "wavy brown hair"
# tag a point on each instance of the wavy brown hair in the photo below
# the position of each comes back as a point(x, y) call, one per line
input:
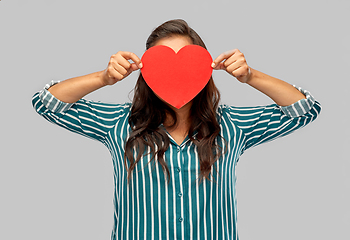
point(148, 112)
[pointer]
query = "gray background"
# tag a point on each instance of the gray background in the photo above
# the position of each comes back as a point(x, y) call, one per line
point(58, 185)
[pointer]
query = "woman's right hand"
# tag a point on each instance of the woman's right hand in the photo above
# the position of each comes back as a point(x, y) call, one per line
point(119, 67)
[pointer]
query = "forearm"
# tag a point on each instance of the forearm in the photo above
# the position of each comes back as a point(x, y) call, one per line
point(71, 90)
point(280, 92)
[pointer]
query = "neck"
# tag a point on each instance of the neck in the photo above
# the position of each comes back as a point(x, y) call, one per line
point(182, 115)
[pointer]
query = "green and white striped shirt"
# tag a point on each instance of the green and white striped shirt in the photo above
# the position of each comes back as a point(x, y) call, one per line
point(149, 208)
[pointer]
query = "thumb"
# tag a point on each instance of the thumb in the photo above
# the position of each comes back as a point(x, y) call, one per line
point(218, 66)
point(134, 67)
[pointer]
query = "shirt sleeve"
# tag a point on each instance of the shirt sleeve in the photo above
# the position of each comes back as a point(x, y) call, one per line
point(266, 123)
point(88, 118)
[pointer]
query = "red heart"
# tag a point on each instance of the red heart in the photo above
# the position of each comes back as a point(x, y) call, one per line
point(176, 77)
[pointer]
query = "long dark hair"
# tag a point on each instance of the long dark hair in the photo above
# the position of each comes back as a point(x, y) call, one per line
point(148, 112)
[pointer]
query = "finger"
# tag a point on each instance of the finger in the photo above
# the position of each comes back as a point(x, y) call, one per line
point(132, 56)
point(223, 56)
point(232, 68)
point(115, 75)
point(134, 67)
point(241, 73)
point(120, 60)
point(236, 58)
point(120, 69)
point(231, 60)
point(235, 65)
point(220, 66)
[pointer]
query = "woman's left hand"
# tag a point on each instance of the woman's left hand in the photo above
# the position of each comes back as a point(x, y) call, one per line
point(234, 63)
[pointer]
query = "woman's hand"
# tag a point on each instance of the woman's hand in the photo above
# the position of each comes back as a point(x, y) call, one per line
point(234, 63)
point(119, 67)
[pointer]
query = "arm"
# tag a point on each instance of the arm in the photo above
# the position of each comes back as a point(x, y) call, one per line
point(119, 67)
point(61, 103)
point(294, 107)
point(263, 124)
point(71, 90)
point(280, 92)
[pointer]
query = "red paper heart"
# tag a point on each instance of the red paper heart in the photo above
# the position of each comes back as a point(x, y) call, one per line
point(176, 77)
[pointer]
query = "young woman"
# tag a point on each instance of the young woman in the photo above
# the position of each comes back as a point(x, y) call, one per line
point(174, 169)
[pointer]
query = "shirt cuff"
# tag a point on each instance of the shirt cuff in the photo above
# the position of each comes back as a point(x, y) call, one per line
point(300, 107)
point(51, 102)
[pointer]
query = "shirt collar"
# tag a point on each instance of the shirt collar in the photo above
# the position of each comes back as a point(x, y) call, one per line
point(173, 141)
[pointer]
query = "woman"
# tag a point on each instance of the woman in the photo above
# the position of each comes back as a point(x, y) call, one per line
point(163, 157)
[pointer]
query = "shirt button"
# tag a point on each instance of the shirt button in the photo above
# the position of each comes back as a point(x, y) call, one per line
point(181, 219)
point(179, 194)
point(178, 149)
point(178, 169)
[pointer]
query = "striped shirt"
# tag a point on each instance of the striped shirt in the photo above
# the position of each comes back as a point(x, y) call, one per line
point(149, 208)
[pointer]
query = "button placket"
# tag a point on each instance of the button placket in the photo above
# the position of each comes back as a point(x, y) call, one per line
point(182, 194)
point(179, 150)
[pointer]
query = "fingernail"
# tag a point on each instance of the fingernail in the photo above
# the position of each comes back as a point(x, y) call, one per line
point(213, 65)
point(140, 65)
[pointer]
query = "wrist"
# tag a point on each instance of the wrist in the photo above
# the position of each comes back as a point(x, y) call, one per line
point(252, 76)
point(101, 79)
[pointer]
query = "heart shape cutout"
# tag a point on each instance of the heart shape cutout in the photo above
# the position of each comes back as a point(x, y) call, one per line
point(176, 77)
